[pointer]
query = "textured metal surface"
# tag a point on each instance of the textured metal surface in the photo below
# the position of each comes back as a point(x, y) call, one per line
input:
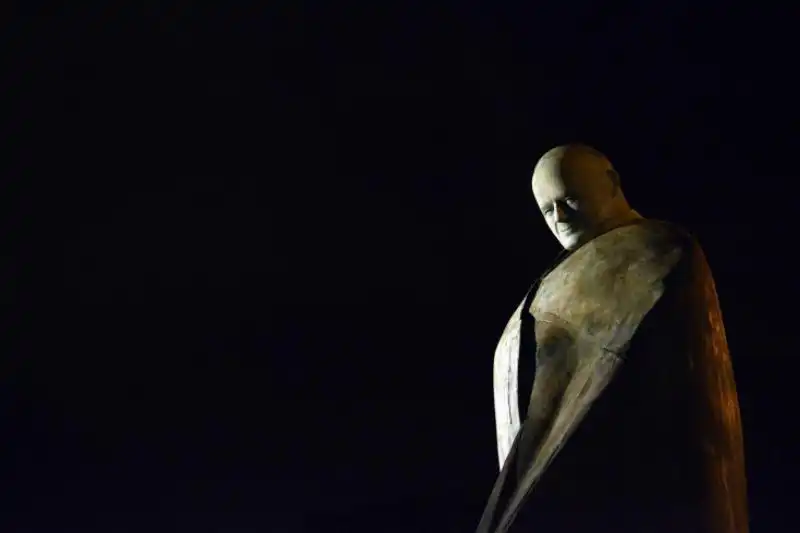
point(506, 371)
point(586, 312)
point(718, 420)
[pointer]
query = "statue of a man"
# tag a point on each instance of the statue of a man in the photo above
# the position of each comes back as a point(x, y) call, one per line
point(615, 401)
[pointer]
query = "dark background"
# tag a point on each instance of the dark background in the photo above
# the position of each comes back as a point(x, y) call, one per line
point(256, 259)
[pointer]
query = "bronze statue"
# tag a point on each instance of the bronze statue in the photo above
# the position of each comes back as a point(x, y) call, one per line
point(615, 401)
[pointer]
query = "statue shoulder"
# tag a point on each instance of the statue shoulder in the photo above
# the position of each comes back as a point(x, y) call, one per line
point(666, 239)
point(647, 249)
point(659, 237)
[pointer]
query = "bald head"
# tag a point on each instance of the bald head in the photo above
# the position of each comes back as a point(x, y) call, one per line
point(578, 193)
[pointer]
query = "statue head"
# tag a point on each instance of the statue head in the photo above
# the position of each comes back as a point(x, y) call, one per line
point(578, 193)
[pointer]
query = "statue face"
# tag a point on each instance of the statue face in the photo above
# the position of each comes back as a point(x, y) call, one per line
point(575, 192)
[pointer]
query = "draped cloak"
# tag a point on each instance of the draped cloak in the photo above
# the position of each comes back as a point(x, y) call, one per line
point(632, 423)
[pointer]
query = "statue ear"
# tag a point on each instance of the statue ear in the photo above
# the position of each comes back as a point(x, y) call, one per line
point(614, 177)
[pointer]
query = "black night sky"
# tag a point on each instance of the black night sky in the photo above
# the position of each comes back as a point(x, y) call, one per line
point(256, 259)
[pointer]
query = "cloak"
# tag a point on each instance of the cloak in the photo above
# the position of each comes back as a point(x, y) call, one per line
point(632, 420)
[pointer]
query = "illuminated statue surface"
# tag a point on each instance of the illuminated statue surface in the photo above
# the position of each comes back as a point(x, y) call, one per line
point(614, 395)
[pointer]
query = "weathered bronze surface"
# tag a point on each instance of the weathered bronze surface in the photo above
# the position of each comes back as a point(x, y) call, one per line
point(633, 417)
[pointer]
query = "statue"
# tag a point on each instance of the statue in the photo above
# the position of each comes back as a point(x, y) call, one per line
point(615, 401)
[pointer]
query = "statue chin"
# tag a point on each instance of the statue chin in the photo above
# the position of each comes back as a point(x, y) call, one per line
point(570, 241)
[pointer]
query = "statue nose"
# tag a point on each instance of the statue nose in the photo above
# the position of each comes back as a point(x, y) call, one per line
point(560, 213)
